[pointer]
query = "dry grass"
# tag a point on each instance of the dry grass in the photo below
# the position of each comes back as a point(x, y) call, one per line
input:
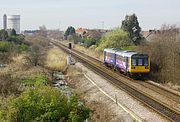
point(89, 51)
point(56, 59)
point(16, 71)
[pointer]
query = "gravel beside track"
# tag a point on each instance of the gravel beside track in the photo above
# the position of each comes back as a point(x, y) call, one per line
point(123, 98)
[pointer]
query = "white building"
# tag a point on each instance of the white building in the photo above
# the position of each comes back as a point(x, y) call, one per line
point(14, 23)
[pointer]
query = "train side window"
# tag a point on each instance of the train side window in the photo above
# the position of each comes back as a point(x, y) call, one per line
point(122, 58)
point(117, 57)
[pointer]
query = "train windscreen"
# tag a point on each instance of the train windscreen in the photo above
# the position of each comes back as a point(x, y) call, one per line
point(140, 60)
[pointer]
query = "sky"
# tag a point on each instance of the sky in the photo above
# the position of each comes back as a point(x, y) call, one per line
point(107, 14)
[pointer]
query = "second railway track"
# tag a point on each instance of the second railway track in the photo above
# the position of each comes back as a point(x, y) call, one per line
point(166, 110)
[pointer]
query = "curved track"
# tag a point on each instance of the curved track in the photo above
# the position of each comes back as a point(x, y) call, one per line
point(131, 86)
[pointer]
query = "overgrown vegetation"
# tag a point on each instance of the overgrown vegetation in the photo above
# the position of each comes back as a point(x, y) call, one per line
point(11, 45)
point(25, 93)
point(38, 80)
point(88, 42)
point(165, 55)
point(35, 56)
point(43, 104)
point(5, 46)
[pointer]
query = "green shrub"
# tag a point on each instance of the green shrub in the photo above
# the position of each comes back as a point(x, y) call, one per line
point(5, 46)
point(89, 42)
point(43, 104)
point(115, 39)
point(35, 81)
point(23, 47)
point(16, 39)
point(38, 104)
point(78, 111)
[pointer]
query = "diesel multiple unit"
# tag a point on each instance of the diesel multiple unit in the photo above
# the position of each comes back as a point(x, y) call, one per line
point(128, 62)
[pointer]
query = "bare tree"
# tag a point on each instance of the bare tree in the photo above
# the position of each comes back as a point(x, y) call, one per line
point(35, 56)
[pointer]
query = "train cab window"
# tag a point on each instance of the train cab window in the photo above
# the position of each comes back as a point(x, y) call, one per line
point(133, 61)
point(140, 63)
point(145, 61)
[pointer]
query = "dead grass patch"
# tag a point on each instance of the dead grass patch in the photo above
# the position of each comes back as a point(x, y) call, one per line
point(16, 71)
point(91, 51)
point(56, 59)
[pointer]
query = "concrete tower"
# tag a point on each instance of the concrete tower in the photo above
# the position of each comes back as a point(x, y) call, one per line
point(4, 21)
point(14, 23)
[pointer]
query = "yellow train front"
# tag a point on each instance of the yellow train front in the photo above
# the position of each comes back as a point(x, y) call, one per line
point(139, 64)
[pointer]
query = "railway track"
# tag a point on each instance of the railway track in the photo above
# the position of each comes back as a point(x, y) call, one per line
point(163, 91)
point(132, 87)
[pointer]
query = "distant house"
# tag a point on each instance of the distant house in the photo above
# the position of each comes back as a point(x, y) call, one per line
point(94, 34)
point(91, 33)
point(81, 31)
point(149, 35)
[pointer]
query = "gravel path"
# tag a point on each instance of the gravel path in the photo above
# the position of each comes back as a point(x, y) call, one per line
point(122, 107)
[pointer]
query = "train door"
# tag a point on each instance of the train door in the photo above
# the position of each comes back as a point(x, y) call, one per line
point(104, 56)
point(127, 63)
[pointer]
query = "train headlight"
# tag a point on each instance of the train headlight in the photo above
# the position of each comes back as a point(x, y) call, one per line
point(133, 67)
point(146, 67)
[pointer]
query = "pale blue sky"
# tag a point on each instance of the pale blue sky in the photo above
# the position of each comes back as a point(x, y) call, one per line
point(91, 13)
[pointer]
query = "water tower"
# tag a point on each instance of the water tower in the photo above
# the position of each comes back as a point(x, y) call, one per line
point(14, 23)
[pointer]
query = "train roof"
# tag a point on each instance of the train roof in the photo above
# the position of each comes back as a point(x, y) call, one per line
point(111, 50)
point(126, 53)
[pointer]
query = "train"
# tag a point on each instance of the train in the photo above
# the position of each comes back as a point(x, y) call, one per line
point(128, 62)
